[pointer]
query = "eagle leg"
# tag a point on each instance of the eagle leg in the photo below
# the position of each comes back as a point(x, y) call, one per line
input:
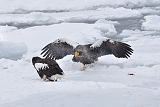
point(82, 67)
point(44, 77)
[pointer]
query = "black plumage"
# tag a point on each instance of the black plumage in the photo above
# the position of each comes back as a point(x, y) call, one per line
point(47, 69)
point(86, 54)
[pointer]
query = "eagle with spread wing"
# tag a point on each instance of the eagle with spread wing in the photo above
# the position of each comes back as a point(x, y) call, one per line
point(86, 54)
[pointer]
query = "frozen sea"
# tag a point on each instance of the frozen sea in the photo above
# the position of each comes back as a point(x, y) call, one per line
point(26, 26)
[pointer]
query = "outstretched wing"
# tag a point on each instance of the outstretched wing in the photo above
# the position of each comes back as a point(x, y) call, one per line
point(105, 46)
point(59, 48)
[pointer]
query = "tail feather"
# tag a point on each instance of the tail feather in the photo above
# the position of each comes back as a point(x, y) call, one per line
point(57, 76)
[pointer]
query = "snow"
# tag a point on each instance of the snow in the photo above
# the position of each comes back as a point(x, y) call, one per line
point(90, 16)
point(151, 21)
point(26, 26)
point(11, 50)
point(149, 11)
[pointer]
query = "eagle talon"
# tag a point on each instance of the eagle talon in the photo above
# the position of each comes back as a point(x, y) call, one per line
point(83, 69)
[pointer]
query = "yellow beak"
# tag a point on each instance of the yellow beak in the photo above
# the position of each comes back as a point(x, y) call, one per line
point(76, 54)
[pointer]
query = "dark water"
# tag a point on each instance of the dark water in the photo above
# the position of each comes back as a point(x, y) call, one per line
point(129, 23)
point(124, 23)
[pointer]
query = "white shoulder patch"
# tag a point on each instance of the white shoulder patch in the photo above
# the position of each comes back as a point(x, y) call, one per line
point(100, 41)
point(57, 76)
point(41, 66)
point(72, 43)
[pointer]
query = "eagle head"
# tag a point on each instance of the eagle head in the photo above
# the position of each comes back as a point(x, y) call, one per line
point(34, 59)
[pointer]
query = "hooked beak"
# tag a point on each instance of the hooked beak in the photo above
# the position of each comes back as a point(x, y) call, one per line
point(76, 54)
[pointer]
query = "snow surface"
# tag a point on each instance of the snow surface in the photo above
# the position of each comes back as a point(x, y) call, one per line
point(26, 26)
point(12, 50)
point(151, 21)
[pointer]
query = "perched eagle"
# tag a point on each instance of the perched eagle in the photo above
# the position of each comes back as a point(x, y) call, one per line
point(86, 54)
point(48, 69)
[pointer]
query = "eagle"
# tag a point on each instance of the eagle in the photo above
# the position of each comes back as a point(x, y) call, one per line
point(47, 69)
point(86, 54)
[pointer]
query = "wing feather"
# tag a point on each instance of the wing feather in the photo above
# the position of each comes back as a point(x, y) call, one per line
point(59, 48)
point(107, 46)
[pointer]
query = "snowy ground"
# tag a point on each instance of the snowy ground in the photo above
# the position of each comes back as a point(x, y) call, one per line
point(26, 26)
